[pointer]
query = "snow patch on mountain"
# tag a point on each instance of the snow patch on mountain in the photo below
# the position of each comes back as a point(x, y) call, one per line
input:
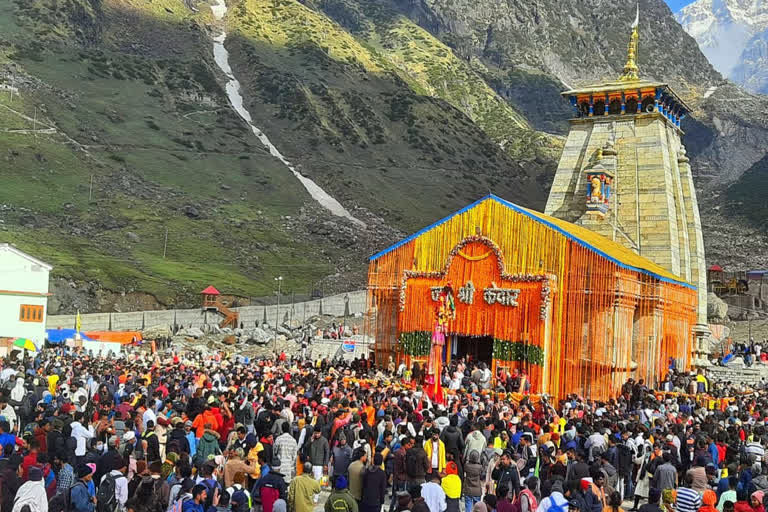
point(221, 57)
point(732, 34)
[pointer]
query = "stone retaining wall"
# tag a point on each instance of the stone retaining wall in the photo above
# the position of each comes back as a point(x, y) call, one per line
point(736, 374)
point(352, 303)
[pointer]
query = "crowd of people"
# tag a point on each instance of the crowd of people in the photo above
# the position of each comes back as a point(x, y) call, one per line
point(751, 353)
point(187, 432)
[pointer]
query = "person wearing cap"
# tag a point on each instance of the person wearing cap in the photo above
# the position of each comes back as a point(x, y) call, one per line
point(80, 499)
point(340, 500)
point(8, 413)
point(150, 442)
point(341, 457)
point(191, 438)
point(451, 485)
point(177, 438)
point(121, 482)
point(32, 493)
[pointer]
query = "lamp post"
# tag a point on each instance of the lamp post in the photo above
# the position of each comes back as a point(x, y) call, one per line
point(279, 280)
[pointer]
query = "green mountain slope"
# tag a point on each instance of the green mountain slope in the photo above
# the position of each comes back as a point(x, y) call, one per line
point(130, 111)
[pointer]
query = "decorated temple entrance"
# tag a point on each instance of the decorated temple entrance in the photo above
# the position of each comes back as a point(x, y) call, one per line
point(474, 348)
point(474, 308)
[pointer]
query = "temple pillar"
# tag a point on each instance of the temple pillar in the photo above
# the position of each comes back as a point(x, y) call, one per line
point(648, 332)
point(598, 353)
point(624, 306)
point(700, 355)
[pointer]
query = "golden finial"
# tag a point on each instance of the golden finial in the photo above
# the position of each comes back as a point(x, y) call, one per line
point(630, 68)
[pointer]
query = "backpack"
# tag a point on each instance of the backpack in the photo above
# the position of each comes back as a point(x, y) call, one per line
point(157, 503)
point(413, 465)
point(624, 461)
point(338, 504)
point(244, 415)
point(106, 501)
point(59, 503)
point(517, 506)
point(178, 505)
point(62, 502)
point(26, 408)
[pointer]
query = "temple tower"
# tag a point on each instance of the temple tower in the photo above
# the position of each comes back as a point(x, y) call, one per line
point(624, 174)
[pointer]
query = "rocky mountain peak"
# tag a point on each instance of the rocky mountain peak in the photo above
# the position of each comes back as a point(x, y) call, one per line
point(732, 34)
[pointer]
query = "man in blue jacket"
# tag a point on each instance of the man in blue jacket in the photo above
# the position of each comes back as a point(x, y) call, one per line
point(197, 502)
point(80, 499)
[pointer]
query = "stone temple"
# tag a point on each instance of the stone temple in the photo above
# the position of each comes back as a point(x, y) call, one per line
point(624, 174)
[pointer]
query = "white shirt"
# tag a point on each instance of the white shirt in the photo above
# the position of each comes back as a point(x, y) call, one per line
point(434, 496)
point(148, 415)
point(121, 486)
point(81, 434)
point(32, 494)
point(597, 440)
point(7, 374)
point(435, 453)
point(10, 416)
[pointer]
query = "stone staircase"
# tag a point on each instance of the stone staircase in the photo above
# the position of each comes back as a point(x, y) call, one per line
point(735, 373)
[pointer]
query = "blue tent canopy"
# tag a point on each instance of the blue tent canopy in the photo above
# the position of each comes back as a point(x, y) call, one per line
point(57, 336)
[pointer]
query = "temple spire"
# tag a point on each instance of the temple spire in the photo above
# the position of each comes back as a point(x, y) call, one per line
point(630, 68)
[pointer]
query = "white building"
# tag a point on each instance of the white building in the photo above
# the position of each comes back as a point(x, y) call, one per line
point(23, 295)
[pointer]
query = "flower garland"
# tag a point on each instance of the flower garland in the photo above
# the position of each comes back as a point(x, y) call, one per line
point(546, 295)
point(504, 350)
point(417, 343)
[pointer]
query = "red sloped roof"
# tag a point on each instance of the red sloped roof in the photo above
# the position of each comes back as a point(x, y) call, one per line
point(210, 291)
point(716, 268)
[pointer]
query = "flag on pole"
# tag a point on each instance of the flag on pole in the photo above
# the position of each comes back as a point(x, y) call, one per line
point(78, 323)
point(637, 17)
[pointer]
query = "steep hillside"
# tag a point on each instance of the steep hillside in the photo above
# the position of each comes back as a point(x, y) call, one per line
point(143, 129)
point(119, 130)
